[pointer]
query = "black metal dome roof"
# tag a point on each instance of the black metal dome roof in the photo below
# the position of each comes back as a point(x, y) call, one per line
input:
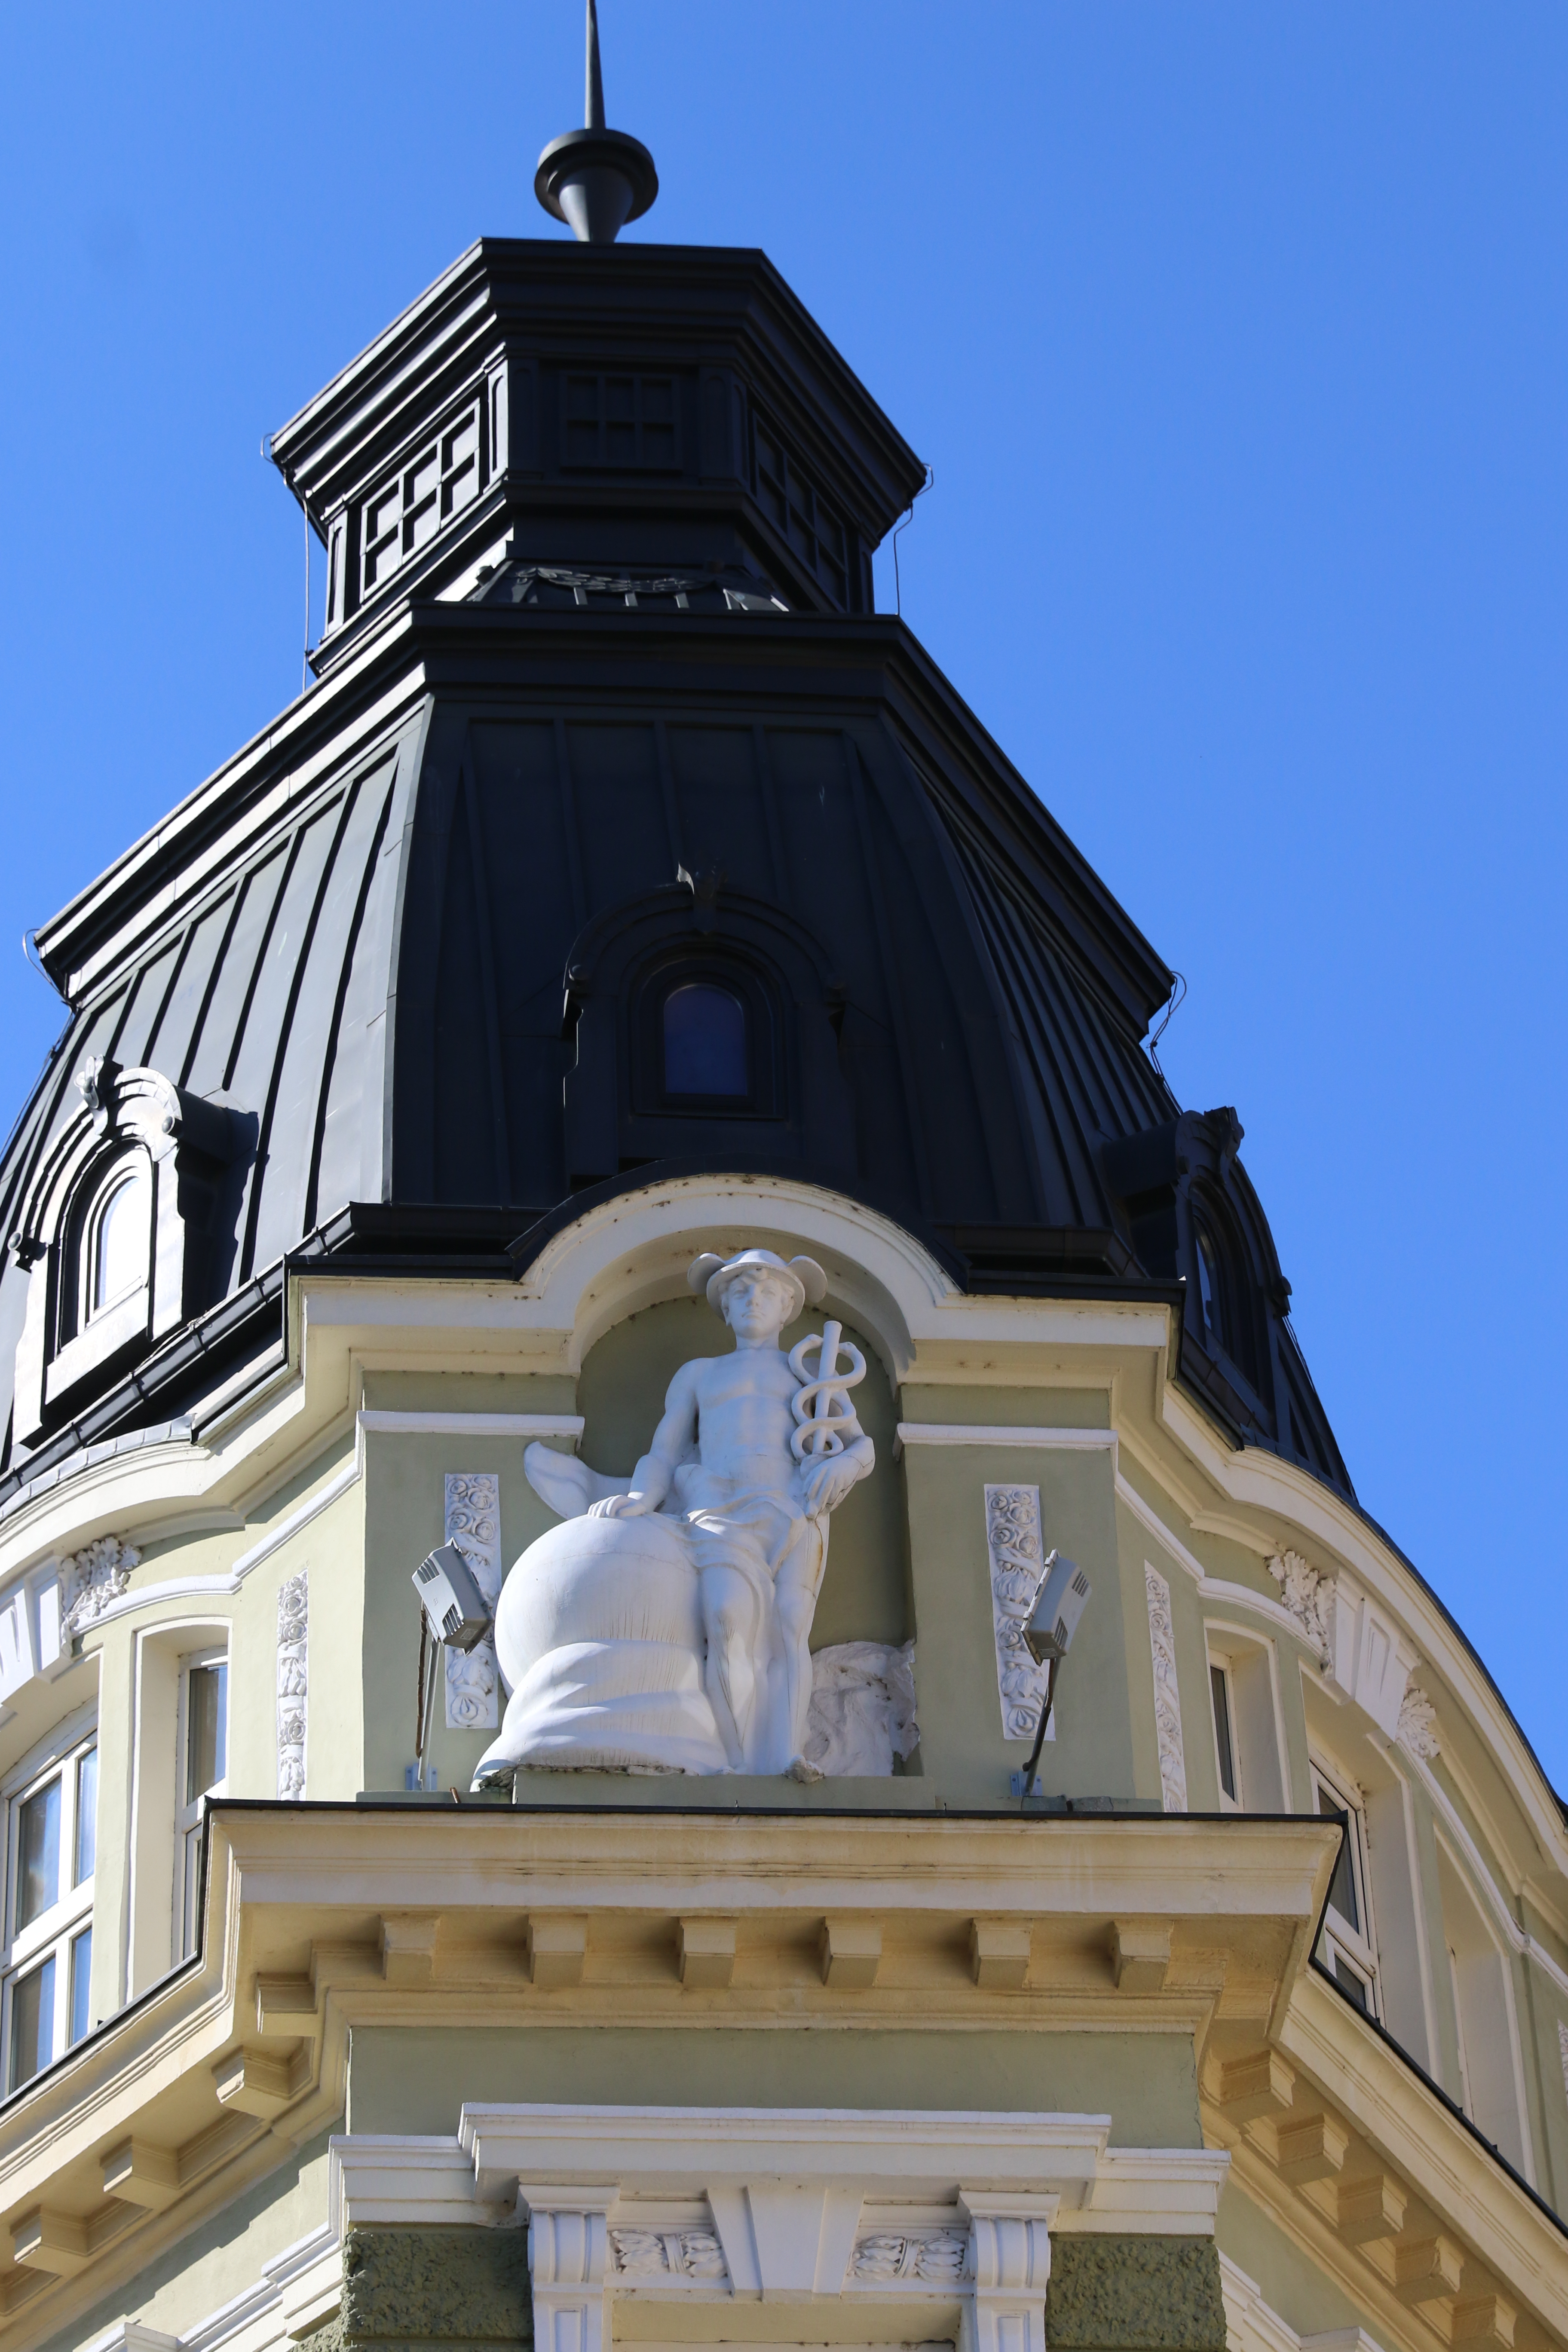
point(602, 706)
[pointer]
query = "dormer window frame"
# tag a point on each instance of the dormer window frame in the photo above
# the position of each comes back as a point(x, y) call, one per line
point(719, 967)
point(130, 1120)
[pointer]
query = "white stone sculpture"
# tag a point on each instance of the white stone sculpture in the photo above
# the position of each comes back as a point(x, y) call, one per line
point(1418, 1725)
point(862, 1708)
point(665, 1626)
point(93, 1579)
point(1308, 1595)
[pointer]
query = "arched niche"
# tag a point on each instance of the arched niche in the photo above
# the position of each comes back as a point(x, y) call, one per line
point(620, 1394)
point(587, 1271)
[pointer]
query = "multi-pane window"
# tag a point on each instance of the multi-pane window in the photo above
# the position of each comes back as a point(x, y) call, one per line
point(204, 1773)
point(411, 506)
point(51, 1845)
point(806, 520)
point(621, 420)
point(1349, 1949)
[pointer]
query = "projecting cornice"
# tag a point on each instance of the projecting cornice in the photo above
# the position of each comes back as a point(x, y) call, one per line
point(322, 1918)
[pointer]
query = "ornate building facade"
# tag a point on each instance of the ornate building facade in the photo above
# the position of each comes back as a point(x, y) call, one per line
point(623, 1080)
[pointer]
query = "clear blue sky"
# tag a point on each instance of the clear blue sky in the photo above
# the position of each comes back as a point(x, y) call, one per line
point(1236, 337)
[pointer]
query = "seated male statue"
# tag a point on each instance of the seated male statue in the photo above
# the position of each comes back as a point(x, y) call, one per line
point(667, 1625)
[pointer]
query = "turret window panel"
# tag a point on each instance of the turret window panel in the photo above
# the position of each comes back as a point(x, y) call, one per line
point(703, 1032)
point(51, 1841)
point(203, 1773)
point(1348, 1949)
point(707, 1054)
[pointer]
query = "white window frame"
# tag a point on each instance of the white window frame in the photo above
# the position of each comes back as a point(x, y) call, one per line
point(190, 1812)
point(1220, 1664)
point(1342, 1944)
point(130, 1167)
point(53, 1934)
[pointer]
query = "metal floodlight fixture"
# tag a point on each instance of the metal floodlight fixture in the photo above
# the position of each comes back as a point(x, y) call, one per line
point(1059, 1601)
point(1060, 1598)
point(456, 1611)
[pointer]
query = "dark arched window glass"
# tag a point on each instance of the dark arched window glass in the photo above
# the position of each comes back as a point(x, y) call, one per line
point(705, 1044)
point(1209, 1298)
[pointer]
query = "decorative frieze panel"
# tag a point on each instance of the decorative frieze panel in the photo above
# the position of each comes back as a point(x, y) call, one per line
point(934, 2257)
point(667, 2254)
point(1017, 1553)
point(473, 1523)
point(292, 1624)
point(1167, 1692)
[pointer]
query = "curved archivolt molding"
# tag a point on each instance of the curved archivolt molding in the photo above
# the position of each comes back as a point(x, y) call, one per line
point(634, 1251)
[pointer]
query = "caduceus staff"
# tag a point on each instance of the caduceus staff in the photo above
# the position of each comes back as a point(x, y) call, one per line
point(825, 1417)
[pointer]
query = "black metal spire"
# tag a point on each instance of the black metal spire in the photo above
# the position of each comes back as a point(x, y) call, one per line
point(595, 180)
point(593, 115)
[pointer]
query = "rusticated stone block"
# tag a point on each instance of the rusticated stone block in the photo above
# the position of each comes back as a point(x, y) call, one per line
point(1134, 2294)
point(463, 2290)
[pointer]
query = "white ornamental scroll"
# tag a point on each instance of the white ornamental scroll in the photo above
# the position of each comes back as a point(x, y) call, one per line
point(1017, 1553)
point(293, 1627)
point(473, 1523)
point(1167, 1694)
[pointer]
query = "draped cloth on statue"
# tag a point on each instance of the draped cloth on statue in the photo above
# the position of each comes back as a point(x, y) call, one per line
point(603, 1639)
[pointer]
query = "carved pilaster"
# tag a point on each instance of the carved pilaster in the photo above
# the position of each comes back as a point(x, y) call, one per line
point(568, 2248)
point(1009, 2268)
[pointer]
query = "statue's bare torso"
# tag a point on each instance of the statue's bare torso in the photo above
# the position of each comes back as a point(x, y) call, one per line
point(736, 1411)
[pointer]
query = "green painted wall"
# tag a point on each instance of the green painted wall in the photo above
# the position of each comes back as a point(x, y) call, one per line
point(404, 1519)
point(1291, 2282)
point(1134, 2294)
point(962, 1740)
point(459, 2288)
point(406, 2082)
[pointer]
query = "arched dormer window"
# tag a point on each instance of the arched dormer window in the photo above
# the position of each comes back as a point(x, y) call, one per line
point(114, 1233)
point(704, 1040)
point(115, 1238)
point(706, 1026)
point(706, 1046)
point(1226, 1296)
point(1211, 1295)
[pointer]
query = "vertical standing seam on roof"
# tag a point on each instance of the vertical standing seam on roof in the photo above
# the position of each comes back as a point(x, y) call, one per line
point(1085, 1082)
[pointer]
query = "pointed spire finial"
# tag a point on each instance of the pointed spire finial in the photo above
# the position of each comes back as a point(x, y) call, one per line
point(595, 180)
point(594, 117)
